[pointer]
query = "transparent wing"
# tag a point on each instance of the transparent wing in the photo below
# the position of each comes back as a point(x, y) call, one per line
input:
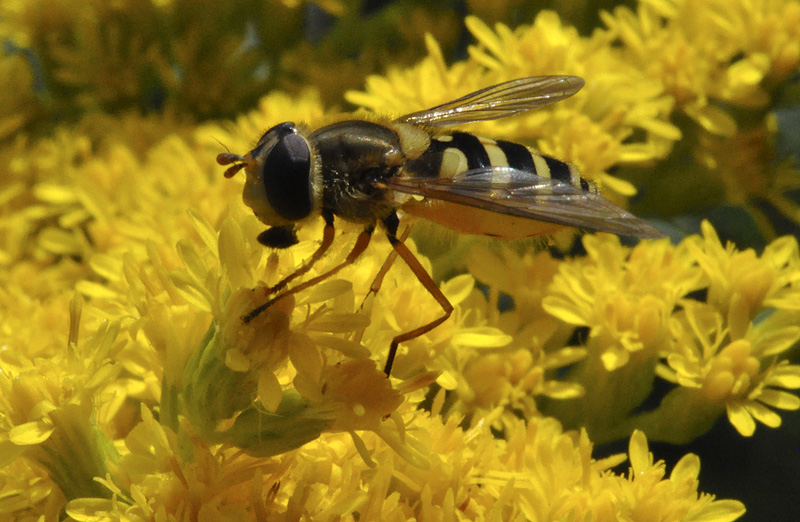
point(498, 101)
point(521, 193)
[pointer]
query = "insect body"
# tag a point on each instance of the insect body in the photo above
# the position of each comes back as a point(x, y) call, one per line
point(366, 171)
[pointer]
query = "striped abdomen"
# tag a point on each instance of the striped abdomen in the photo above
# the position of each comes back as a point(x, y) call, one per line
point(451, 155)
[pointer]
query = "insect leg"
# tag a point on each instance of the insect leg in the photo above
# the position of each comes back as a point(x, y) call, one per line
point(378, 281)
point(402, 250)
point(358, 248)
point(327, 240)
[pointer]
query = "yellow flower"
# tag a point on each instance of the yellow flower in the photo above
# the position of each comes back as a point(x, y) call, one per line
point(743, 284)
point(525, 280)
point(164, 476)
point(673, 499)
point(616, 101)
point(278, 356)
point(740, 373)
point(538, 470)
point(48, 416)
point(711, 50)
point(361, 394)
point(625, 296)
point(28, 493)
point(178, 403)
point(624, 299)
point(721, 352)
point(512, 374)
point(403, 304)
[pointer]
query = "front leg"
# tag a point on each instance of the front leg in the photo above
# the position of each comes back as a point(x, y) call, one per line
point(278, 237)
point(361, 244)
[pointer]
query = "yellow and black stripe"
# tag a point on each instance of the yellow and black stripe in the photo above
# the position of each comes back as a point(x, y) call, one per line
point(452, 154)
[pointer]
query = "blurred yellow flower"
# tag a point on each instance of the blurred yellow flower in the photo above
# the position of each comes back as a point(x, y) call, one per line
point(48, 414)
point(712, 50)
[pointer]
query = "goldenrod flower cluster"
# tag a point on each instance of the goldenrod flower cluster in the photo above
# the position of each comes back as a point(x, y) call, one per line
point(131, 388)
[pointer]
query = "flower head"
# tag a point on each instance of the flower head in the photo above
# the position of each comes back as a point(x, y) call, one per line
point(738, 374)
point(48, 416)
point(624, 296)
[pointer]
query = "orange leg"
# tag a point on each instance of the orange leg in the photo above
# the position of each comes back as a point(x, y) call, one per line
point(378, 281)
point(430, 285)
point(361, 244)
point(327, 241)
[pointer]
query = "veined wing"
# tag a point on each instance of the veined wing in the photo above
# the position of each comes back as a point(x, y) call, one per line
point(498, 101)
point(521, 193)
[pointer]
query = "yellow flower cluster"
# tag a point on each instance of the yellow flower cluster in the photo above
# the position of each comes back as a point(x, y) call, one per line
point(644, 320)
point(733, 52)
point(539, 473)
point(233, 400)
point(132, 389)
point(725, 65)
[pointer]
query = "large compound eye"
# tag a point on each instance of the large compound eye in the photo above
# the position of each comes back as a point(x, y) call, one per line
point(287, 175)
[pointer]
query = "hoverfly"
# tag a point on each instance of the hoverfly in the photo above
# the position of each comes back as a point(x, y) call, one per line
point(365, 171)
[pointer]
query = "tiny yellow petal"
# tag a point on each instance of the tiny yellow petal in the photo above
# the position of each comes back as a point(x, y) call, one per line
point(720, 511)
point(779, 399)
point(763, 414)
point(741, 419)
point(269, 391)
point(713, 119)
point(639, 452)
point(786, 376)
point(31, 433)
point(688, 468)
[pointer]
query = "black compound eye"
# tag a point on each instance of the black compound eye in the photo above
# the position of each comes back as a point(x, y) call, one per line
point(287, 177)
